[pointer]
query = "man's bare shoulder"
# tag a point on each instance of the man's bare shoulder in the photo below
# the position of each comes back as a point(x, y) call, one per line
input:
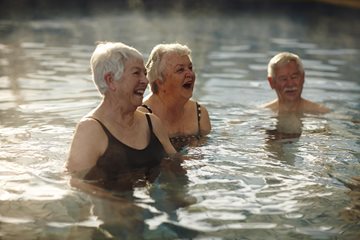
point(273, 105)
point(314, 108)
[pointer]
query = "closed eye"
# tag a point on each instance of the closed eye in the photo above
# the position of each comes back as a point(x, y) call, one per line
point(282, 79)
point(295, 76)
point(180, 69)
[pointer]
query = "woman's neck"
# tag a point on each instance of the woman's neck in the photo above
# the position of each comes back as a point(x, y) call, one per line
point(173, 104)
point(116, 113)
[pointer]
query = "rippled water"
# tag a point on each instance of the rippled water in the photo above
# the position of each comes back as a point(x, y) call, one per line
point(242, 182)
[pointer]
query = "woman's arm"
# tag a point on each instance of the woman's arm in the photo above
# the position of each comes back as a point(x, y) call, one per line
point(162, 135)
point(88, 144)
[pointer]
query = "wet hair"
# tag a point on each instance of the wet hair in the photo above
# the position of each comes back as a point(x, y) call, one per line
point(155, 66)
point(110, 57)
point(281, 59)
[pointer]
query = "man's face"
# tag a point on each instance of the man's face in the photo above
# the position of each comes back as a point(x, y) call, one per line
point(288, 82)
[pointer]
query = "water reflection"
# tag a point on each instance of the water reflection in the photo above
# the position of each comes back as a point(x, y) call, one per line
point(288, 127)
point(147, 209)
point(257, 176)
point(287, 130)
point(352, 212)
point(13, 66)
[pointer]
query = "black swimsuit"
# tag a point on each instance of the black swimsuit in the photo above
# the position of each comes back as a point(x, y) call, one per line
point(121, 166)
point(180, 141)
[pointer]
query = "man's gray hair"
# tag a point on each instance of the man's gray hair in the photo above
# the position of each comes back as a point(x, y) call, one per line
point(281, 59)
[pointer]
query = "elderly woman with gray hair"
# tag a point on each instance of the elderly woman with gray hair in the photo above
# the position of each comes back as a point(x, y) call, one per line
point(172, 79)
point(115, 146)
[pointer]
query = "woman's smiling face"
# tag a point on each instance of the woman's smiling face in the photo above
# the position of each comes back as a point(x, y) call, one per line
point(133, 81)
point(178, 75)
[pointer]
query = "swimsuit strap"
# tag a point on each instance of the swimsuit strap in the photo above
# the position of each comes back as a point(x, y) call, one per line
point(106, 130)
point(198, 112)
point(147, 107)
point(102, 125)
point(149, 121)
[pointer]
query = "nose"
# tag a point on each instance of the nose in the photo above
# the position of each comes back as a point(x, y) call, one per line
point(289, 81)
point(144, 79)
point(190, 72)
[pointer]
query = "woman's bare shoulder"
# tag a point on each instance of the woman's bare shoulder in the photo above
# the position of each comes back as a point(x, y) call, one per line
point(88, 132)
point(88, 143)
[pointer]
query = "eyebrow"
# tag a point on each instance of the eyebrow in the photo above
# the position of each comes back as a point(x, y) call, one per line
point(182, 64)
point(137, 68)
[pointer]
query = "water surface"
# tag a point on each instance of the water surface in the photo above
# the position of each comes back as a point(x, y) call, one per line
point(242, 182)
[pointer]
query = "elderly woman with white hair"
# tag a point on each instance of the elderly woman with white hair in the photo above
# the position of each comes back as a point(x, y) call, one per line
point(172, 80)
point(115, 140)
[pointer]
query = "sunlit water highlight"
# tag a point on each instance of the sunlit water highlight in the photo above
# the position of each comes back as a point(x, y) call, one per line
point(242, 182)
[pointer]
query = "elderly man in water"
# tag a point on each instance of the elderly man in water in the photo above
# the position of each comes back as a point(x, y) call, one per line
point(286, 76)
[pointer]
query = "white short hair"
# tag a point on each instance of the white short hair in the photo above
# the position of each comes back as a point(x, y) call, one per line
point(110, 57)
point(155, 66)
point(281, 59)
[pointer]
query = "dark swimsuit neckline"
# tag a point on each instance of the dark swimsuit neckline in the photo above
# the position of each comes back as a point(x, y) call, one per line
point(106, 130)
point(198, 113)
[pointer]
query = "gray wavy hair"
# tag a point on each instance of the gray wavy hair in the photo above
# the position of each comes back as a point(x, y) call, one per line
point(155, 66)
point(281, 59)
point(110, 57)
